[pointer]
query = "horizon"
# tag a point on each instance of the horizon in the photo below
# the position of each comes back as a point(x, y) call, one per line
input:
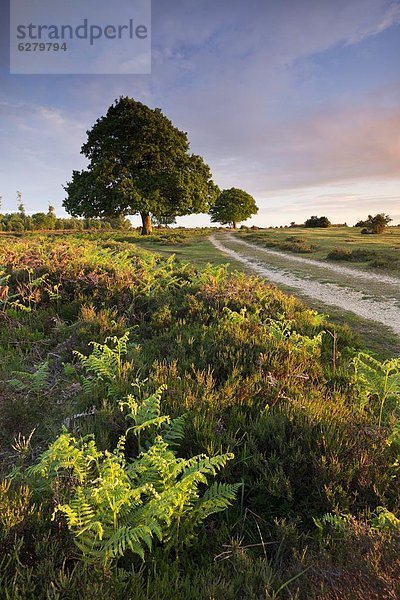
point(296, 103)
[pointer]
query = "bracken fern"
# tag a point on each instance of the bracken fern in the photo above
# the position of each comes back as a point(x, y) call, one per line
point(117, 504)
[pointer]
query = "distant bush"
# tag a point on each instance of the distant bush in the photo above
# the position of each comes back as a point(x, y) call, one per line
point(340, 254)
point(358, 255)
point(376, 224)
point(291, 244)
point(315, 221)
point(297, 244)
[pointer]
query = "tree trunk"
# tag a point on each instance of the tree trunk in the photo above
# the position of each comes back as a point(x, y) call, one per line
point(233, 224)
point(147, 226)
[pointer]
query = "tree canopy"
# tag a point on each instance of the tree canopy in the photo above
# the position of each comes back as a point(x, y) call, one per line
point(233, 206)
point(139, 163)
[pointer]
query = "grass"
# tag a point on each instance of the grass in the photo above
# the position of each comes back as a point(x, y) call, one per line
point(194, 247)
point(257, 374)
point(188, 246)
point(378, 252)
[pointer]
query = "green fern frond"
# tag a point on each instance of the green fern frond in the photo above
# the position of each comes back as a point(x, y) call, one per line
point(113, 505)
point(377, 379)
point(175, 432)
point(37, 381)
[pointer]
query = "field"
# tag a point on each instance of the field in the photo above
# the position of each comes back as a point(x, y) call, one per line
point(172, 430)
point(379, 337)
point(344, 244)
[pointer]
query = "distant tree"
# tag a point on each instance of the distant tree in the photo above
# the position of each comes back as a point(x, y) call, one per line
point(139, 163)
point(51, 218)
point(315, 221)
point(376, 224)
point(21, 207)
point(233, 206)
point(39, 221)
point(164, 221)
point(118, 222)
point(15, 223)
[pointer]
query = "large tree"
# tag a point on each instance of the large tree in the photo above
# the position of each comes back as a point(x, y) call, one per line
point(139, 163)
point(233, 206)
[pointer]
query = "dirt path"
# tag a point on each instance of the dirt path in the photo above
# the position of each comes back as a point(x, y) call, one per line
point(369, 296)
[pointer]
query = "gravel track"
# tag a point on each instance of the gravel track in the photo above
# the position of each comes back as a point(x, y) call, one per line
point(384, 310)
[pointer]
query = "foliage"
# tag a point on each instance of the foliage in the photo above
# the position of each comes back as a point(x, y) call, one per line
point(232, 206)
point(115, 505)
point(315, 221)
point(15, 506)
point(374, 224)
point(13, 222)
point(385, 520)
point(138, 163)
point(377, 380)
point(106, 364)
point(36, 381)
point(162, 221)
point(248, 370)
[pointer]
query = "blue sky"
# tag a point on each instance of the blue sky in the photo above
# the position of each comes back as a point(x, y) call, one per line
point(296, 101)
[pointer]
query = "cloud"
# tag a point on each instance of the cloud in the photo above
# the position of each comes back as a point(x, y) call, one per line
point(40, 144)
point(390, 18)
point(255, 84)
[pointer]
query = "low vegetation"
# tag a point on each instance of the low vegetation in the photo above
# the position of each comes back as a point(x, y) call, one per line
point(381, 253)
point(170, 431)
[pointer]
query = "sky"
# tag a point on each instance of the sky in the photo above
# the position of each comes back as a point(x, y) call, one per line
point(295, 101)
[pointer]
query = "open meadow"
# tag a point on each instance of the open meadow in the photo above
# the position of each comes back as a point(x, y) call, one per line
point(172, 429)
point(346, 245)
point(371, 290)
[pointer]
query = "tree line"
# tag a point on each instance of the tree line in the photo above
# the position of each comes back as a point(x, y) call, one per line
point(19, 221)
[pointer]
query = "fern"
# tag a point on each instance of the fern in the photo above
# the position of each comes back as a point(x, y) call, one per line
point(174, 434)
point(113, 505)
point(37, 381)
point(377, 379)
point(385, 520)
point(106, 364)
point(331, 522)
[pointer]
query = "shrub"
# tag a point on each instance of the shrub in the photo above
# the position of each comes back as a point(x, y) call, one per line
point(376, 224)
point(358, 255)
point(315, 221)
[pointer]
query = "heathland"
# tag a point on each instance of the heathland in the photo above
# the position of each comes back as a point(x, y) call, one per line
point(172, 429)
